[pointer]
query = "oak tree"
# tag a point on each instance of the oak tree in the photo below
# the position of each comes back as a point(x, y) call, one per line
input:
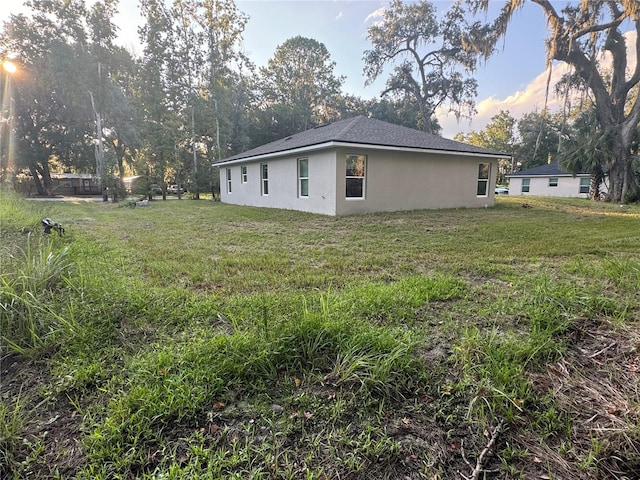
point(590, 37)
point(431, 63)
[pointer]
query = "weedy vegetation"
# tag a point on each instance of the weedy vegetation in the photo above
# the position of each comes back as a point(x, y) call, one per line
point(197, 340)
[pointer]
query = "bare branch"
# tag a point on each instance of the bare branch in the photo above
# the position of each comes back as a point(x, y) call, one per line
point(480, 462)
point(599, 28)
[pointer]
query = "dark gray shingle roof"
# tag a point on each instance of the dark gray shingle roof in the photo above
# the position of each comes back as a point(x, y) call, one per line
point(363, 130)
point(546, 170)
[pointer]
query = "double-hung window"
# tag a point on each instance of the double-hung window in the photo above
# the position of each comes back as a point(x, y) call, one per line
point(483, 179)
point(553, 181)
point(355, 176)
point(243, 174)
point(303, 177)
point(585, 183)
point(264, 177)
point(228, 180)
point(526, 182)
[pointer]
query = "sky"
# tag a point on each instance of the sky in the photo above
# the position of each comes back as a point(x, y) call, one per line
point(513, 79)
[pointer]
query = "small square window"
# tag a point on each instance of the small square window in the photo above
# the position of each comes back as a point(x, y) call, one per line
point(553, 181)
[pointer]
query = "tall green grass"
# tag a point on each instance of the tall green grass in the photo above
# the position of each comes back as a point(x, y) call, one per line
point(200, 340)
point(176, 384)
point(12, 420)
point(495, 361)
point(33, 310)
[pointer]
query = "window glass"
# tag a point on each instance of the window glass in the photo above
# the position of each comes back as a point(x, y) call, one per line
point(525, 185)
point(584, 185)
point(264, 169)
point(243, 174)
point(228, 180)
point(303, 177)
point(355, 176)
point(553, 181)
point(483, 171)
point(483, 179)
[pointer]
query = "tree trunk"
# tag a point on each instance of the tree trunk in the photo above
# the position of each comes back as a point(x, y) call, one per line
point(597, 176)
point(196, 193)
point(426, 116)
point(36, 179)
point(622, 182)
point(99, 150)
point(45, 175)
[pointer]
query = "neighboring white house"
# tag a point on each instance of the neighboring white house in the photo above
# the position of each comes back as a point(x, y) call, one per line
point(551, 181)
point(360, 165)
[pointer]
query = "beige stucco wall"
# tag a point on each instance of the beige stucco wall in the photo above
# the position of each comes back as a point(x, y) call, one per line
point(394, 181)
point(411, 181)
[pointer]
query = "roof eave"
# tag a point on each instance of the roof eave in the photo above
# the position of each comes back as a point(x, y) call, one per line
point(333, 143)
point(511, 175)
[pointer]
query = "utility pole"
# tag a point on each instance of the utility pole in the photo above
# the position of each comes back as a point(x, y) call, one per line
point(99, 150)
point(196, 193)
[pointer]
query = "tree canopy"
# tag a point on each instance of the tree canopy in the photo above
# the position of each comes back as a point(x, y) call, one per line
point(430, 61)
point(80, 103)
point(299, 85)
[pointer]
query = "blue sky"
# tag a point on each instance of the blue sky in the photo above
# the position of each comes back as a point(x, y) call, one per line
point(513, 79)
point(342, 26)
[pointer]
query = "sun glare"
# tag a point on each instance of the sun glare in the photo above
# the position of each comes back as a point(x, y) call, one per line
point(9, 66)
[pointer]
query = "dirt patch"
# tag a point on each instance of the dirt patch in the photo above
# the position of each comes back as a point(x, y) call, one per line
point(50, 424)
point(597, 386)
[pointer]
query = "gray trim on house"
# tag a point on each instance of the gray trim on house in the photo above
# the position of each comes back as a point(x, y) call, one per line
point(361, 131)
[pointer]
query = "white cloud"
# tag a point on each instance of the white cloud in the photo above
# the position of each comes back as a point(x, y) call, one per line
point(375, 14)
point(530, 99)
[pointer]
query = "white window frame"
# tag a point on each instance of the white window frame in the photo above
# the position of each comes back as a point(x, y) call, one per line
point(553, 182)
point(302, 179)
point(584, 183)
point(483, 179)
point(362, 177)
point(228, 180)
point(243, 174)
point(264, 179)
point(526, 185)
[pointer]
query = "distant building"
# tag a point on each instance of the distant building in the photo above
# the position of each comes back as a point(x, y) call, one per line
point(552, 181)
point(63, 184)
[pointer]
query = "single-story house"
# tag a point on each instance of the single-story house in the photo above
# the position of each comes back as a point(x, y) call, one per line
point(75, 184)
point(63, 184)
point(552, 181)
point(360, 165)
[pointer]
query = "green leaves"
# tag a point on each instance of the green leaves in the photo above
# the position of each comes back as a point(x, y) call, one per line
point(299, 84)
point(429, 58)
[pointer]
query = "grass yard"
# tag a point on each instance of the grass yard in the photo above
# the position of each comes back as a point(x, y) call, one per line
point(197, 340)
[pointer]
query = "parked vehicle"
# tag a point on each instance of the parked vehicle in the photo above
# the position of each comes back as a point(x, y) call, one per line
point(502, 191)
point(175, 189)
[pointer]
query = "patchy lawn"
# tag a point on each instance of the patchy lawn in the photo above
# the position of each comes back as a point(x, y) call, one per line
point(191, 339)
